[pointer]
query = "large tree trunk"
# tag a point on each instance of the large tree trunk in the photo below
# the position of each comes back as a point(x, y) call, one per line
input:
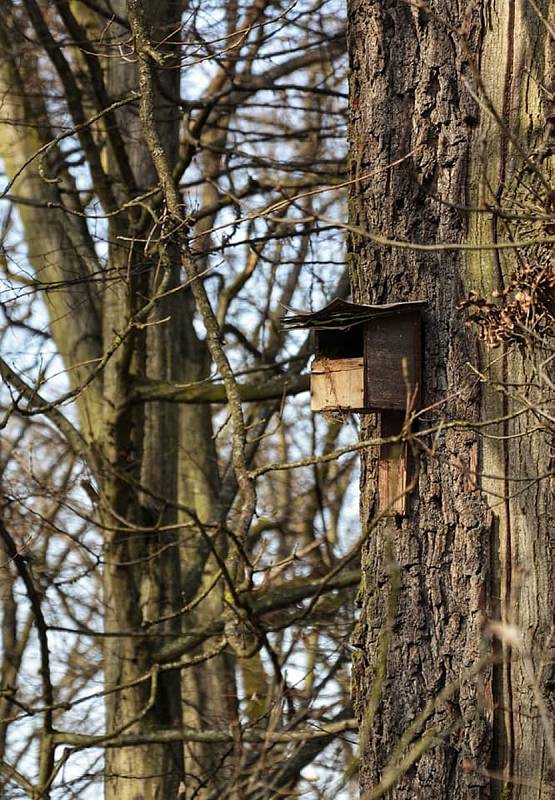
point(471, 549)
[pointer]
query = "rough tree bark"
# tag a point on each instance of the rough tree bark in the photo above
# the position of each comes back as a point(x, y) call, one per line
point(473, 548)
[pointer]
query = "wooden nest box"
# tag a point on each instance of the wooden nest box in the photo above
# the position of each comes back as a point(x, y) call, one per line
point(367, 358)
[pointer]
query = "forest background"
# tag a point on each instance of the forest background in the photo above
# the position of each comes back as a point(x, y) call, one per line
point(181, 549)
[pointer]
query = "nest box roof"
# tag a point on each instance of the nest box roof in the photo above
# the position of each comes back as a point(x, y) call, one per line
point(341, 315)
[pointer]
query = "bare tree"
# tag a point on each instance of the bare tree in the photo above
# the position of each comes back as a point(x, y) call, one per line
point(166, 170)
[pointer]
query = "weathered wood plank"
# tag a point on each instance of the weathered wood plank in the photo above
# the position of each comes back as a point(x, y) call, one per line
point(393, 360)
point(337, 384)
point(393, 467)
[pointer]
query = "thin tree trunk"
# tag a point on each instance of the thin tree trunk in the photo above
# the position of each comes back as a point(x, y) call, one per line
point(74, 313)
point(140, 484)
point(471, 549)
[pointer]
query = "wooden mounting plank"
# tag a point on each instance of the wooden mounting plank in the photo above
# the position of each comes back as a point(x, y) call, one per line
point(393, 467)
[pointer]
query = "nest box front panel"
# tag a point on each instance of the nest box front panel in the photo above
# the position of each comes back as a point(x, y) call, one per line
point(388, 341)
point(337, 384)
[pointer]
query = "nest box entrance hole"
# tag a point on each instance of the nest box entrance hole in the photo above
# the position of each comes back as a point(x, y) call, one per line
point(341, 344)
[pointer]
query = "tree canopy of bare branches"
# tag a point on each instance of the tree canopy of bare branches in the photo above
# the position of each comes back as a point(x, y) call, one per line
point(173, 623)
